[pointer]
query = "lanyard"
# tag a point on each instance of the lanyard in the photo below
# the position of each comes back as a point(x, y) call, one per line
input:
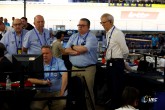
point(110, 37)
point(51, 63)
point(19, 42)
point(39, 38)
point(84, 39)
point(50, 69)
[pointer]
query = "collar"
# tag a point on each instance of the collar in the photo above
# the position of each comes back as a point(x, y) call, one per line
point(84, 35)
point(110, 29)
point(129, 106)
point(39, 32)
point(53, 59)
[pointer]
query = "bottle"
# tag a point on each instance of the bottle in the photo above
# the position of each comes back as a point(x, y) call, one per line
point(8, 83)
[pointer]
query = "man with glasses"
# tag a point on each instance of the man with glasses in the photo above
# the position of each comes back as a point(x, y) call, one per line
point(116, 52)
point(13, 38)
point(82, 50)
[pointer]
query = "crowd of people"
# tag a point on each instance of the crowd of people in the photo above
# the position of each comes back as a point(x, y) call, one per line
point(23, 38)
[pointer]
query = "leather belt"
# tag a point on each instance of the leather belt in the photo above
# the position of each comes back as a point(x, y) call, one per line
point(84, 66)
point(115, 59)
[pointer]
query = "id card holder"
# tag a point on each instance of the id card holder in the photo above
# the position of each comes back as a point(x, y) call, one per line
point(110, 64)
point(19, 51)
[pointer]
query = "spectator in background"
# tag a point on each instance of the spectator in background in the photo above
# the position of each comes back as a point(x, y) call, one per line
point(161, 41)
point(37, 37)
point(154, 41)
point(6, 22)
point(25, 24)
point(130, 99)
point(117, 51)
point(13, 39)
point(56, 81)
point(57, 47)
point(3, 29)
point(1, 19)
point(52, 37)
point(12, 20)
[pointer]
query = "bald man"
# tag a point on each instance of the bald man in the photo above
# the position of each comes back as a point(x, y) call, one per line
point(36, 37)
point(13, 38)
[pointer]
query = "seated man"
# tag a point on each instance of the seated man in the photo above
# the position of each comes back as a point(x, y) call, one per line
point(56, 81)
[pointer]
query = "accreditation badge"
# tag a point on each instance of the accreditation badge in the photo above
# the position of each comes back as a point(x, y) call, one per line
point(19, 51)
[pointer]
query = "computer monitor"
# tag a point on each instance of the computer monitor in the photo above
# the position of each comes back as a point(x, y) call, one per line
point(30, 65)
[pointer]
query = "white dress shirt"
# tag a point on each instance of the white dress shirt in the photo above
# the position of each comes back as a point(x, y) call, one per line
point(117, 44)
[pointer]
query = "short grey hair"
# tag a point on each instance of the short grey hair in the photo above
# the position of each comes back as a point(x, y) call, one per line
point(109, 17)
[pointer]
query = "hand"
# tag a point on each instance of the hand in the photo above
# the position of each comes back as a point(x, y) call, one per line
point(61, 93)
point(76, 53)
point(47, 82)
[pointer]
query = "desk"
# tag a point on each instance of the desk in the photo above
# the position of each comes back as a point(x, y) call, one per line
point(17, 99)
point(147, 83)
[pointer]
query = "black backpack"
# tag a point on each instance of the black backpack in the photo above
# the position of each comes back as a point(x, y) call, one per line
point(76, 91)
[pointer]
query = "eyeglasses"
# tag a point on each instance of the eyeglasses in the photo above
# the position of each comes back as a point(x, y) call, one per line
point(104, 22)
point(81, 25)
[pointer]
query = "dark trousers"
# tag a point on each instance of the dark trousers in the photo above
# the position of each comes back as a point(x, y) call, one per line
point(115, 82)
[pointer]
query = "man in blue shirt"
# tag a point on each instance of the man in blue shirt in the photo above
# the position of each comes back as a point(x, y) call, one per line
point(36, 37)
point(13, 38)
point(154, 41)
point(82, 50)
point(56, 81)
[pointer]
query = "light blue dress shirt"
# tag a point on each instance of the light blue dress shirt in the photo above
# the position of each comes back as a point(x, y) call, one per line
point(12, 41)
point(155, 41)
point(90, 41)
point(56, 64)
point(34, 41)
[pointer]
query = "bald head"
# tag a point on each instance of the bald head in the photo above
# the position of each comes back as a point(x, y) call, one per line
point(39, 22)
point(17, 21)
